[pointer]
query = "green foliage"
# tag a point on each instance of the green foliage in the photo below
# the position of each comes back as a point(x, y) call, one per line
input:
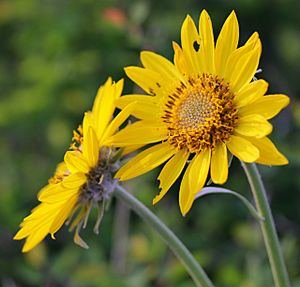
point(53, 57)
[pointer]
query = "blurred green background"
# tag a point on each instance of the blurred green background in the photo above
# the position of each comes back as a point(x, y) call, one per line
point(53, 56)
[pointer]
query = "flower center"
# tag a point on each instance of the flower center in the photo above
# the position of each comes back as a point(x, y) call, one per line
point(200, 114)
point(100, 182)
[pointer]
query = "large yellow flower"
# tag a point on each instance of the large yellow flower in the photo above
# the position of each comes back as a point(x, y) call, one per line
point(85, 178)
point(199, 109)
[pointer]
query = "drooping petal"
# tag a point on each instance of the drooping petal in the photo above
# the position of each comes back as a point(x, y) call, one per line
point(207, 44)
point(162, 66)
point(170, 172)
point(190, 42)
point(268, 106)
point(142, 132)
point(227, 42)
point(219, 164)
point(62, 216)
point(185, 202)
point(146, 107)
point(38, 218)
point(268, 153)
point(253, 126)
point(76, 162)
point(35, 238)
point(250, 93)
point(242, 149)
point(199, 170)
point(196, 175)
point(146, 161)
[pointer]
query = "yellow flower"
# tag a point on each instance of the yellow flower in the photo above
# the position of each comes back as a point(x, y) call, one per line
point(85, 178)
point(199, 109)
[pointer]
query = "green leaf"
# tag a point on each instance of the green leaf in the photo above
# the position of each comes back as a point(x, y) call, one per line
point(218, 190)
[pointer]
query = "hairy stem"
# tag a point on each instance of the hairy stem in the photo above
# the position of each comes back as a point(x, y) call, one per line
point(183, 254)
point(267, 225)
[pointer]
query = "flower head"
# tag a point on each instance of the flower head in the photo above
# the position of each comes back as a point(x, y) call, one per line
point(199, 109)
point(84, 179)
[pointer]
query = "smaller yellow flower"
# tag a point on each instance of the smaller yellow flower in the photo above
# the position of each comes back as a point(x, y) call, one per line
point(199, 110)
point(85, 178)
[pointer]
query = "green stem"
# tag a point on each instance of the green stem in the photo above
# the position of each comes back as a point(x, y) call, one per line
point(183, 254)
point(267, 225)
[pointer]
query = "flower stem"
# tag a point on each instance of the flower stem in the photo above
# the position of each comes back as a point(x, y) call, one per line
point(194, 269)
point(267, 225)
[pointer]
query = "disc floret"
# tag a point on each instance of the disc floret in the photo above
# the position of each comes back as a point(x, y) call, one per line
point(200, 113)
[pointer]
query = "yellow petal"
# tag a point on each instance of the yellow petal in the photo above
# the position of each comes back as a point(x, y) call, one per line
point(151, 82)
point(76, 162)
point(129, 149)
point(245, 69)
point(268, 153)
point(61, 168)
point(190, 42)
point(179, 59)
point(35, 238)
point(141, 132)
point(145, 161)
point(91, 147)
point(99, 96)
point(199, 170)
point(250, 93)
point(242, 149)
point(88, 121)
point(253, 126)
point(48, 189)
point(146, 107)
point(119, 120)
point(63, 214)
point(237, 54)
point(219, 164)
point(227, 42)
point(74, 181)
point(104, 107)
point(39, 212)
point(161, 65)
point(170, 172)
point(267, 106)
point(38, 218)
point(119, 88)
point(196, 175)
point(207, 44)
point(185, 202)
point(55, 193)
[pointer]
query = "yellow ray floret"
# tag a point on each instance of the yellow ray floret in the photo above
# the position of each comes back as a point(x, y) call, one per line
point(200, 108)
